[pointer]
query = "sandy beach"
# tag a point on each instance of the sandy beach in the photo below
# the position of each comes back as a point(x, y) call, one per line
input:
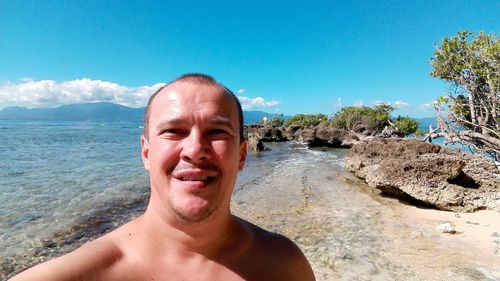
point(477, 232)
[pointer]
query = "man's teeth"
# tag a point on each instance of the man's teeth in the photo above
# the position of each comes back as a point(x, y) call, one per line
point(194, 178)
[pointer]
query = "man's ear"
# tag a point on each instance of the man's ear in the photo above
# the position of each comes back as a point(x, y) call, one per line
point(145, 152)
point(243, 154)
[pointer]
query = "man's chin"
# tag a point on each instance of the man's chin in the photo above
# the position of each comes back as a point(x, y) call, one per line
point(193, 215)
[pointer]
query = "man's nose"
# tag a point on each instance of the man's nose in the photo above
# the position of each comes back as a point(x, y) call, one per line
point(195, 148)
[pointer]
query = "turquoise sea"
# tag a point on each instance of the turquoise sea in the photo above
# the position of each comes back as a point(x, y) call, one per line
point(54, 175)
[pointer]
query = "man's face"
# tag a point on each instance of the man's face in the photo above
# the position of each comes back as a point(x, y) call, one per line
point(193, 152)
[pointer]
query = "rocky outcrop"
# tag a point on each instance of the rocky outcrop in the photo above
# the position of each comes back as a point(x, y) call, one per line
point(254, 143)
point(311, 135)
point(426, 173)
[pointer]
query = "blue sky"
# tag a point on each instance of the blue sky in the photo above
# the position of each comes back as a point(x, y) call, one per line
point(284, 56)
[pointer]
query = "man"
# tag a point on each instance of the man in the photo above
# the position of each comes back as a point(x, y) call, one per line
point(193, 148)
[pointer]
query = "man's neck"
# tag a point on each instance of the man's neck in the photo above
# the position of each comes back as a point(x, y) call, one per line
point(186, 238)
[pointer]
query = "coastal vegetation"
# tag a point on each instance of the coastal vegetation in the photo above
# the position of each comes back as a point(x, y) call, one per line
point(406, 125)
point(470, 112)
point(359, 119)
point(306, 120)
point(363, 118)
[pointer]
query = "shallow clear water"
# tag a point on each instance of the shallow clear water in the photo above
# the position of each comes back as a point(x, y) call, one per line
point(54, 173)
point(346, 229)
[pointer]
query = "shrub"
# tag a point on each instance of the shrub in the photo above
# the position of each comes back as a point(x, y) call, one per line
point(306, 119)
point(363, 118)
point(406, 125)
point(277, 121)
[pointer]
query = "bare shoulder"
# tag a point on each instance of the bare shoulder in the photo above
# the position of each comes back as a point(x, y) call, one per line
point(84, 263)
point(280, 255)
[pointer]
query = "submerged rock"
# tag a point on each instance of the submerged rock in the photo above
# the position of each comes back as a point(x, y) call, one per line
point(427, 174)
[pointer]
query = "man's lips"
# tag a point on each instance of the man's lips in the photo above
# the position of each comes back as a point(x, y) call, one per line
point(195, 178)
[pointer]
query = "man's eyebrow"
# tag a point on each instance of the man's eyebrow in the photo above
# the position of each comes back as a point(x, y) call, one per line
point(217, 120)
point(220, 120)
point(167, 123)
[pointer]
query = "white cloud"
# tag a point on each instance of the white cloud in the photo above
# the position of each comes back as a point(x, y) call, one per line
point(396, 104)
point(339, 102)
point(251, 103)
point(359, 103)
point(48, 93)
point(428, 106)
point(401, 104)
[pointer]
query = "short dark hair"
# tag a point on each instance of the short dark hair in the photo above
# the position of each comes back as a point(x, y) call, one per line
point(199, 79)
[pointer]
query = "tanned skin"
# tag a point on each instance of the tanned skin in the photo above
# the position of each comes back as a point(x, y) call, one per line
point(193, 152)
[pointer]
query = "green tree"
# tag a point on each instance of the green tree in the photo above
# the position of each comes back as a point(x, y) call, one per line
point(362, 119)
point(306, 119)
point(277, 120)
point(471, 64)
point(405, 125)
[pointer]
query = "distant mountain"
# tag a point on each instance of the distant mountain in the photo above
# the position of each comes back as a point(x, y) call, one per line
point(100, 112)
point(255, 116)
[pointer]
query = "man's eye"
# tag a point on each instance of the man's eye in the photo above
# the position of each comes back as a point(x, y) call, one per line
point(218, 132)
point(172, 132)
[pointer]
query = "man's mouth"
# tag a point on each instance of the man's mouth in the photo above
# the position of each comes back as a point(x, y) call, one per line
point(195, 178)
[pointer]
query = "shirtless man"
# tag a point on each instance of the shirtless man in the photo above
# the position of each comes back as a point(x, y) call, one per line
point(193, 148)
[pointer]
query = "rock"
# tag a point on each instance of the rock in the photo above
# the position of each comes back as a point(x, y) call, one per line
point(446, 227)
point(427, 174)
point(327, 136)
point(313, 136)
point(254, 143)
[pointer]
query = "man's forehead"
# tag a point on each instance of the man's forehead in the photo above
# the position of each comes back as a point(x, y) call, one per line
point(178, 94)
point(192, 91)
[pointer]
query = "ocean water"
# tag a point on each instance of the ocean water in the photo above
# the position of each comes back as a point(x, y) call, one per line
point(54, 174)
point(65, 183)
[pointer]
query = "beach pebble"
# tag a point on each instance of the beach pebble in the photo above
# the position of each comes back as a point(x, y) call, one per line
point(446, 227)
point(416, 234)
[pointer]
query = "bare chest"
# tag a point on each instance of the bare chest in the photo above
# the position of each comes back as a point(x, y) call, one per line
point(166, 271)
